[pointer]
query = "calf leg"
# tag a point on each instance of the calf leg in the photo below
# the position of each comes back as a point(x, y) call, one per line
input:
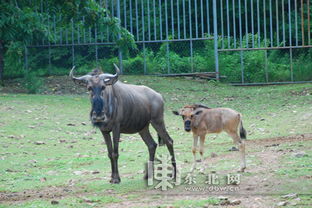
point(241, 147)
point(194, 149)
point(159, 126)
point(151, 145)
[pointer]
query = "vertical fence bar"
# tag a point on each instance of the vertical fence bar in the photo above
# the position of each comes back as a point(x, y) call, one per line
point(258, 19)
point(178, 18)
point(283, 19)
point(309, 26)
point(119, 36)
point(266, 66)
point(222, 30)
point(271, 25)
point(73, 48)
point(291, 65)
point(143, 36)
point(196, 21)
point(215, 34)
point(107, 30)
point(96, 45)
point(172, 20)
point(289, 23)
point(167, 36)
point(208, 17)
point(148, 20)
point(234, 23)
point(26, 58)
point(202, 18)
point(160, 20)
point(277, 24)
point(131, 17)
point(246, 24)
point(137, 20)
point(252, 24)
point(241, 40)
point(296, 22)
point(190, 31)
point(84, 30)
point(228, 24)
point(184, 21)
point(264, 24)
point(265, 43)
point(302, 23)
point(90, 35)
point(154, 13)
point(125, 13)
point(49, 57)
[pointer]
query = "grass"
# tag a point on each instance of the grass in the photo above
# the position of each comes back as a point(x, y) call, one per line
point(71, 144)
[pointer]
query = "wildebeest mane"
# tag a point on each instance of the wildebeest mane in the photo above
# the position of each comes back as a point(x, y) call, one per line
point(195, 106)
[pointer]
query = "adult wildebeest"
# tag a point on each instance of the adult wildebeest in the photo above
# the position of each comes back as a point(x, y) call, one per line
point(125, 108)
point(203, 120)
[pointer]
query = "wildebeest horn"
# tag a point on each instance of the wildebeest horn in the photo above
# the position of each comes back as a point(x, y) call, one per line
point(80, 80)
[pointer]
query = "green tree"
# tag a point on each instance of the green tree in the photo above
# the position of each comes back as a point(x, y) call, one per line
point(22, 22)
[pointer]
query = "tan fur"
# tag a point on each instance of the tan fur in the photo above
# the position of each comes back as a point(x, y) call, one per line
point(213, 120)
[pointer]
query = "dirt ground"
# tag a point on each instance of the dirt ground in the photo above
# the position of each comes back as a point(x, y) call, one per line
point(255, 190)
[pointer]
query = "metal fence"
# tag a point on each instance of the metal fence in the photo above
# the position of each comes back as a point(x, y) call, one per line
point(171, 30)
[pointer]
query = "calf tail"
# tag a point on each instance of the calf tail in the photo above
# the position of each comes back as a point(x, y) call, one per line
point(161, 142)
point(242, 131)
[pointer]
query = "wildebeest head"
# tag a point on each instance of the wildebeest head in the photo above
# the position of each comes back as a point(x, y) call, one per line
point(189, 115)
point(97, 83)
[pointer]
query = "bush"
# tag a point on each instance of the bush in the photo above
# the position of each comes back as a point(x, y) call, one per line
point(32, 83)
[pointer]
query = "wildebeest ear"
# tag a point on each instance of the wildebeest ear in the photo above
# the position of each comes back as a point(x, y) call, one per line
point(110, 80)
point(198, 112)
point(176, 113)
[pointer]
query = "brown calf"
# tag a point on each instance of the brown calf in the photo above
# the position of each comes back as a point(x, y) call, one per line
point(203, 120)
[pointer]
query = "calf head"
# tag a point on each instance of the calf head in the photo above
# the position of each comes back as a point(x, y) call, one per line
point(190, 115)
point(97, 83)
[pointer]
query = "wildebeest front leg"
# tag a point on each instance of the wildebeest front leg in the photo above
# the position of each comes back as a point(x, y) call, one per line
point(151, 145)
point(110, 150)
point(159, 126)
point(115, 154)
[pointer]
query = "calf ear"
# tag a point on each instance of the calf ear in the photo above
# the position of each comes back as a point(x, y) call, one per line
point(198, 112)
point(176, 113)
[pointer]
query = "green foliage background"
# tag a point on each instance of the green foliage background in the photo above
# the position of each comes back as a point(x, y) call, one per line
point(31, 27)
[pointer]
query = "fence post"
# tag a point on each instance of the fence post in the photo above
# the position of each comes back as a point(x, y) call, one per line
point(119, 50)
point(26, 58)
point(215, 37)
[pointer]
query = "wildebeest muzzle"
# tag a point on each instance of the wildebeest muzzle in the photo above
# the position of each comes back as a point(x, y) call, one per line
point(97, 112)
point(187, 125)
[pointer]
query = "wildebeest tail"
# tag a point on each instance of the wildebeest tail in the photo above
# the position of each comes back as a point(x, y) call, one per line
point(242, 131)
point(161, 142)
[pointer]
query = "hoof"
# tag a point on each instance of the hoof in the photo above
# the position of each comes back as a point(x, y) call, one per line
point(198, 160)
point(241, 170)
point(115, 180)
point(233, 149)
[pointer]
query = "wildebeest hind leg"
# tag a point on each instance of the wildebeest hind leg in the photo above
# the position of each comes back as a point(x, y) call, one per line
point(159, 126)
point(151, 145)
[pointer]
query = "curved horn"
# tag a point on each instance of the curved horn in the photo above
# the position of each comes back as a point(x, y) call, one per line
point(81, 80)
point(117, 69)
